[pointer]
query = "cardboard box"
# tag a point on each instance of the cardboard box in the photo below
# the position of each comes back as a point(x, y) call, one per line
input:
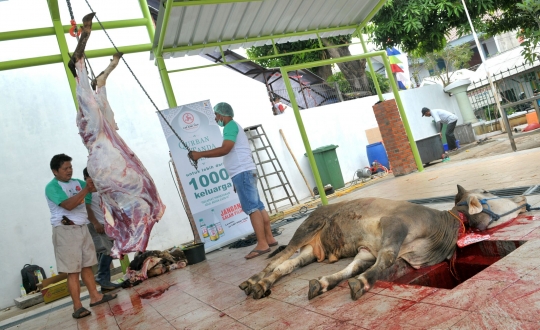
point(373, 135)
point(55, 288)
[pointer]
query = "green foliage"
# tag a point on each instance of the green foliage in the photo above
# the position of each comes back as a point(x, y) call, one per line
point(530, 34)
point(454, 58)
point(422, 25)
point(415, 67)
point(345, 86)
point(306, 57)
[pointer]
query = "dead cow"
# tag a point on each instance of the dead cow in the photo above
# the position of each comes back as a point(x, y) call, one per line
point(377, 232)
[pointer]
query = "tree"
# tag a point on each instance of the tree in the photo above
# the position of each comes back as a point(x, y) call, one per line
point(530, 34)
point(353, 71)
point(349, 92)
point(416, 64)
point(422, 25)
point(453, 58)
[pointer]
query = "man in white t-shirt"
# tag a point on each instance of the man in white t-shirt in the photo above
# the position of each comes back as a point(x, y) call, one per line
point(444, 117)
point(239, 164)
point(73, 247)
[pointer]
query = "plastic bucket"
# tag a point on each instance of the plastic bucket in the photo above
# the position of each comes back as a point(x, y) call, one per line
point(194, 253)
point(445, 146)
point(377, 152)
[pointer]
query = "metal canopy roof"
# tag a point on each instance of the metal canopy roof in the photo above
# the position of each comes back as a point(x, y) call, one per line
point(310, 89)
point(203, 26)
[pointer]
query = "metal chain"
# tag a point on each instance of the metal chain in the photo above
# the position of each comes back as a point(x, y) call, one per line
point(193, 162)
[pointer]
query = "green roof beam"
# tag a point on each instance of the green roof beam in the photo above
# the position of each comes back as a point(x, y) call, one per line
point(51, 59)
point(50, 31)
point(208, 2)
point(261, 58)
point(254, 39)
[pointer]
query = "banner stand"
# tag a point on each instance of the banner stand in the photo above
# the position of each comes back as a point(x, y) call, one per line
point(211, 203)
point(196, 237)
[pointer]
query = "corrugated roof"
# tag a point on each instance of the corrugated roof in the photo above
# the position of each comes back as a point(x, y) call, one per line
point(201, 29)
point(310, 89)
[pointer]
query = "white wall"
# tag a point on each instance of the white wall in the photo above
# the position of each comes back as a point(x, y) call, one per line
point(430, 96)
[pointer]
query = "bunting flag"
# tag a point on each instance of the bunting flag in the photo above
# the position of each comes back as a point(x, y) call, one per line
point(401, 70)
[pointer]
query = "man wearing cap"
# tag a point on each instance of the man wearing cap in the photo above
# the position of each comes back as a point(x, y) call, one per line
point(444, 117)
point(239, 164)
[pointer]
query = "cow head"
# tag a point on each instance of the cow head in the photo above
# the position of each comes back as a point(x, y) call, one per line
point(483, 208)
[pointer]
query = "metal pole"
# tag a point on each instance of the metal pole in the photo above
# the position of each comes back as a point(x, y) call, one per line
point(302, 89)
point(495, 94)
point(371, 70)
point(395, 90)
point(62, 44)
point(305, 139)
point(148, 17)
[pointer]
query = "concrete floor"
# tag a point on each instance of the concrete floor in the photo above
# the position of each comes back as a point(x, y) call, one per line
point(206, 295)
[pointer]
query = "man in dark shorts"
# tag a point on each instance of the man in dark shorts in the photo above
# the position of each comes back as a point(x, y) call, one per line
point(239, 164)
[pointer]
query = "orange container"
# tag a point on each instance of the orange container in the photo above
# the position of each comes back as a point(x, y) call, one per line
point(532, 118)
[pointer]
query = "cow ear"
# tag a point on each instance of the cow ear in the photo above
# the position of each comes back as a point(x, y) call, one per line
point(475, 206)
point(460, 194)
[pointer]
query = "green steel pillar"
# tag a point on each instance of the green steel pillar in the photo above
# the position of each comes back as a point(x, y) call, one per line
point(158, 52)
point(62, 44)
point(371, 71)
point(395, 90)
point(305, 139)
point(166, 82)
point(149, 22)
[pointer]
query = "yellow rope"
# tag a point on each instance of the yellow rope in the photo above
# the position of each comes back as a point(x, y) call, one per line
point(282, 214)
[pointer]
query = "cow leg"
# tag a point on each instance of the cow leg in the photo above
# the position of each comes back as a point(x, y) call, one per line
point(306, 256)
point(81, 45)
point(277, 260)
point(363, 260)
point(393, 235)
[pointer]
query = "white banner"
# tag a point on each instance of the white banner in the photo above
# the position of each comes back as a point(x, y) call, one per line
point(209, 190)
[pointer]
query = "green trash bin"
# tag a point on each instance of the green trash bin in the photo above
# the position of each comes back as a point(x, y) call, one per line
point(328, 165)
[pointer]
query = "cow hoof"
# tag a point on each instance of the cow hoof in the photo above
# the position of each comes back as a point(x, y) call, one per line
point(314, 289)
point(357, 288)
point(258, 291)
point(246, 287)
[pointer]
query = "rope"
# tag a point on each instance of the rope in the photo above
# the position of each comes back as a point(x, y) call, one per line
point(193, 162)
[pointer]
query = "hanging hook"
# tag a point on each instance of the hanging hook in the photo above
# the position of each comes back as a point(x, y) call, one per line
point(73, 29)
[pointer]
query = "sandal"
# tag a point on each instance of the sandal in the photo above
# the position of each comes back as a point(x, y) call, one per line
point(257, 253)
point(106, 297)
point(273, 244)
point(80, 313)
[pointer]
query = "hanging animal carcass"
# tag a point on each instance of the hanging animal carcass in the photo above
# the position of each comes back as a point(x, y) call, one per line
point(130, 200)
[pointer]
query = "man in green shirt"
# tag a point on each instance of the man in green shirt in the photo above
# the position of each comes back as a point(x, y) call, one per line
point(239, 164)
point(73, 246)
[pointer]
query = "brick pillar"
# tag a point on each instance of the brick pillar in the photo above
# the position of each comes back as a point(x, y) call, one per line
point(394, 137)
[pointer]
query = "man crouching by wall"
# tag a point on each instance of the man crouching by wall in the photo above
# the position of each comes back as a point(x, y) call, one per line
point(73, 247)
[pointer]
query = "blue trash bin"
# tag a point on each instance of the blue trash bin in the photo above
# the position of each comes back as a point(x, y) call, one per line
point(377, 152)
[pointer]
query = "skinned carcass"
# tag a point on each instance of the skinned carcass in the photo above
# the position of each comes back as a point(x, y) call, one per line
point(130, 201)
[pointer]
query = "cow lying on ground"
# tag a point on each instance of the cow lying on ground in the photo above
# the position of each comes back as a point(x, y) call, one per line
point(377, 232)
